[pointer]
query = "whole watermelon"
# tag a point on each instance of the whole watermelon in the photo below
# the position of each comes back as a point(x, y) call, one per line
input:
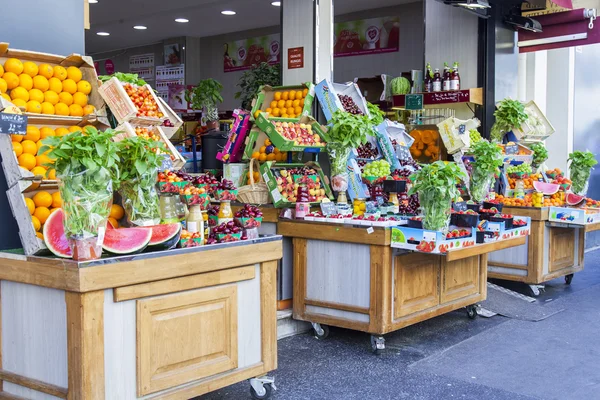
point(400, 85)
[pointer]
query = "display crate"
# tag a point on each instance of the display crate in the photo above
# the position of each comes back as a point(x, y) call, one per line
point(268, 126)
point(536, 127)
point(266, 95)
point(328, 94)
point(172, 116)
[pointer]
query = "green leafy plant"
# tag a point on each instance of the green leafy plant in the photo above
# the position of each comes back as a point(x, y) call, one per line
point(540, 153)
point(509, 114)
point(376, 114)
point(87, 166)
point(253, 79)
point(580, 168)
point(206, 95)
point(436, 186)
point(488, 159)
point(124, 77)
point(140, 160)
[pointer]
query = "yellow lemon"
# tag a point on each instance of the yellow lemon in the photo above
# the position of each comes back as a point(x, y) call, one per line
point(75, 129)
point(29, 147)
point(84, 87)
point(30, 205)
point(19, 93)
point(60, 72)
point(55, 85)
point(69, 86)
point(17, 148)
point(12, 80)
point(41, 83)
point(20, 103)
point(42, 199)
point(37, 225)
point(46, 71)
point(26, 161)
point(65, 98)
point(61, 109)
point(25, 81)
point(30, 68)
point(51, 97)
point(39, 171)
point(45, 132)
point(56, 200)
point(74, 73)
point(62, 131)
point(33, 133)
point(47, 108)
point(5, 96)
point(36, 95)
point(3, 86)
point(80, 98)
point(89, 109)
point(42, 159)
point(75, 110)
point(13, 65)
point(34, 107)
point(1, 70)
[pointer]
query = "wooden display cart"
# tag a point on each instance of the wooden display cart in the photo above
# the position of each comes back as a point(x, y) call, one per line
point(350, 277)
point(165, 325)
point(551, 251)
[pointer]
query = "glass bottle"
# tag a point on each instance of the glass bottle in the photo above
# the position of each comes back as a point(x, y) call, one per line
point(428, 79)
point(181, 209)
point(446, 78)
point(168, 209)
point(519, 189)
point(195, 221)
point(455, 77)
point(225, 214)
point(302, 202)
point(394, 200)
point(436, 85)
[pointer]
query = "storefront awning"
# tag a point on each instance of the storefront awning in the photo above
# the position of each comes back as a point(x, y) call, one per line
point(564, 29)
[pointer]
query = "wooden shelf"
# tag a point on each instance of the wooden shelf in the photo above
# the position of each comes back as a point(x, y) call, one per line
point(474, 96)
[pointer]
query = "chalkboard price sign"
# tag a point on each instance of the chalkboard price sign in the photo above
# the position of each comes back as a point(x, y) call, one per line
point(13, 124)
point(414, 102)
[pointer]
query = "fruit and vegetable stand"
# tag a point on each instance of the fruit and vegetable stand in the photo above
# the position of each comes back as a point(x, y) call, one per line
point(172, 325)
point(350, 277)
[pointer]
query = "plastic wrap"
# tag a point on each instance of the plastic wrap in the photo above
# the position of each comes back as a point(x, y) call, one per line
point(479, 185)
point(338, 157)
point(435, 210)
point(140, 200)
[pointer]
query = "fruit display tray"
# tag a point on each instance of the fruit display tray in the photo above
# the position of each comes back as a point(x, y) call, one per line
point(266, 95)
point(173, 117)
point(328, 94)
point(283, 144)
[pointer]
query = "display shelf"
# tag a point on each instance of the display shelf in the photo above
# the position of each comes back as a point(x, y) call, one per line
point(474, 96)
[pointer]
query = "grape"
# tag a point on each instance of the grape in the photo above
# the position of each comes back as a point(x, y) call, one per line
point(521, 168)
point(377, 168)
point(475, 136)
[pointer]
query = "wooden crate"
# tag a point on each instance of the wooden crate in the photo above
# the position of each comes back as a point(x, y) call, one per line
point(173, 117)
point(88, 71)
point(122, 107)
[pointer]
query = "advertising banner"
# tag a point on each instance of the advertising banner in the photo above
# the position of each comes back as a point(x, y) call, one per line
point(242, 54)
point(367, 36)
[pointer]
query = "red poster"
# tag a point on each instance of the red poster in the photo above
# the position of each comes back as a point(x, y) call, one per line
point(242, 54)
point(295, 57)
point(109, 66)
point(367, 36)
point(97, 66)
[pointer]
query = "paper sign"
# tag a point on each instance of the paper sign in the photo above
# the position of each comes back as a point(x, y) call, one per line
point(511, 149)
point(414, 102)
point(328, 208)
point(109, 67)
point(13, 124)
point(460, 206)
point(295, 57)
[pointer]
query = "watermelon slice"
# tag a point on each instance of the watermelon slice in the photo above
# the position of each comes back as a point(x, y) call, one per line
point(54, 235)
point(164, 236)
point(126, 240)
point(546, 188)
point(571, 199)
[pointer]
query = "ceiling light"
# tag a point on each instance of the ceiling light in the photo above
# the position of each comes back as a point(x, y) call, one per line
point(92, 1)
point(140, 27)
point(276, 3)
point(102, 33)
point(228, 12)
point(182, 20)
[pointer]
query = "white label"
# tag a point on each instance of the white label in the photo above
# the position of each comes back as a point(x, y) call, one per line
point(429, 236)
point(370, 230)
point(455, 84)
point(101, 232)
point(266, 177)
point(437, 86)
point(192, 227)
point(276, 195)
point(446, 85)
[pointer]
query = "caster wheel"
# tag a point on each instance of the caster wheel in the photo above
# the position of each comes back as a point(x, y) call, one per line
point(323, 335)
point(471, 312)
point(377, 345)
point(568, 279)
point(266, 395)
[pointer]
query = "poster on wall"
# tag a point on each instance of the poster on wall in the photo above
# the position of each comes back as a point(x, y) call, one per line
point(172, 54)
point(366, 36)
point(242, 54)
point(177, 97)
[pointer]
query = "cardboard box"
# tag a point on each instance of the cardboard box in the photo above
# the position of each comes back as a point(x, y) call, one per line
point(385, 132)
point(573, 216)
point(328, 94)
point(266, 95)
point(455, 133)
point(376, 88)
point(234, 148)
point(234, 172)
point(357, 189)
point(283, 144)
point(426, 241)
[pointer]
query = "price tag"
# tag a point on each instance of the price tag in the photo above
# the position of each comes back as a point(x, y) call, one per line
point(328, 208)
point(511, 149)
point(462, 129)
point(167, 163)
point(413, 102)
point(370, 230)
point(13, 124)
point(459, 206)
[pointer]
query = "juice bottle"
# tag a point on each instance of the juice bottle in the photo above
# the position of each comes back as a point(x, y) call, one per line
point(428, 79)
point(302, 202)
point(195, 220)
point(168, 209)
point(446, 78)
point(455, 78)
point(225, 214)
point(436, 85)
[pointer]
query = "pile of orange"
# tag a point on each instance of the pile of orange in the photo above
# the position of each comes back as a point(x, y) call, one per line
point(45, 89)
point(40, 206)
point(268, 152)
point(287, 104)
point(527, 181)
point(557, 199)
point(116, 213)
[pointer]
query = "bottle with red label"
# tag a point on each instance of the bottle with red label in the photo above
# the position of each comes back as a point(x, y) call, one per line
point(446, 78)
point(455, 78)
point(302, 202)
point(428, 79)
point(436, 85)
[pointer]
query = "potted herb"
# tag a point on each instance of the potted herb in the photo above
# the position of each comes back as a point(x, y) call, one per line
point(140, 160)
point(488, 159)
point(436, 186)
point(205, 97)
point(253, 79)
point(348, 131)
point(86, 165)
point(509, 114)
point(580, 167)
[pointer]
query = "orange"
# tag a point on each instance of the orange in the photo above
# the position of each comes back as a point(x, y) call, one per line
point(3, 86)
point(61, 131)
point(273, 104)
point(42, 160)
point(40, 235)
point(33, 133)
point(60, 72)
point(39, 171)
point(46, 71)
point(267, 142)
point(37, 225)
point(268, 110)
point(36, 95)
point(17, 138)
point(39, 145)
point(292, 94)
point(297, 110)
point(55, 85)
point(27, 161)
point(271, 157)
point(29, 147)
point(34, 107)
point(42, 199)
point(42, 213)
point(75, 110)
point(263, 149)
point(304, 92)
point(80, 98)
point(255, 155)
point(54, 209)
point(299, 95)
point(69, 86)
point(75, 129)
point(277, 96)
point(302, 103)
point(84, 87)
point(30, 205)
point(56, 200)
point(296, 103)
point(288, 103)
point(12, 80)
point(47, 108)
point(25, 81)
point(66, 98)
point(30, 68)
point(275, 112)
point(116, 211)
point(51, 97)
point(263, 157)
point(19, 93)
point(290, 110)
point(284, 115)
point(113, 222)
point(285, 95)
point(61, 109)
point(52, 174)
point(74, 73)
point(5, 96)
point(17, 148)
point(89, 109)
point(39, 82)
point(1, 70)
point(13, 65)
